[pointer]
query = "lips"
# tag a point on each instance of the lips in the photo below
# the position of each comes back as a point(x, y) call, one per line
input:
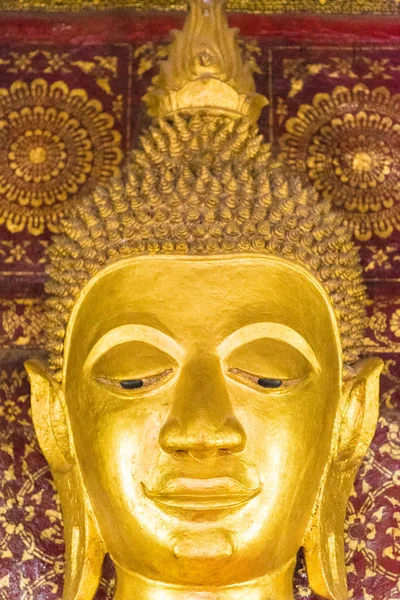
point(202, 494)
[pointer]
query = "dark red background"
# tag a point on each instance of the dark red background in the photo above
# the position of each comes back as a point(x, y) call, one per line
point(31, 538)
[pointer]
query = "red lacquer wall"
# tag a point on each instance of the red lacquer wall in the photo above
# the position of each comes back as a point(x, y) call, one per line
point(73, 86)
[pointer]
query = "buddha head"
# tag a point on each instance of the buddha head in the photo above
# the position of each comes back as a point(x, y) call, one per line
point(204, 409)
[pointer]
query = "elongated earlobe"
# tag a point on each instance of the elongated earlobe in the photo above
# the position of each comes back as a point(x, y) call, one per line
point(49, 417)
point(354, 429)
point(84, 548)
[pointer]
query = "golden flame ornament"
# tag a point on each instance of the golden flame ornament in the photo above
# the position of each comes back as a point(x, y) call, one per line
point(205, 69)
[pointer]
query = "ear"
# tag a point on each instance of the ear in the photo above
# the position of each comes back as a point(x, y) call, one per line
point(49, 417)
point(353, 432)
point(84, 548)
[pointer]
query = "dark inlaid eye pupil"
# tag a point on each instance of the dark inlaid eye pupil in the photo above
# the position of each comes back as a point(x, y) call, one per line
point(270, 383)
point(132, 384)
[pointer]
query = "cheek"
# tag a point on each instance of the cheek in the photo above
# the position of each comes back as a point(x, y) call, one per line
point(288, 435)
point(116, 438)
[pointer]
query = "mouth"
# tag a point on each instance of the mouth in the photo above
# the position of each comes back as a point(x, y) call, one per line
point(202, 494)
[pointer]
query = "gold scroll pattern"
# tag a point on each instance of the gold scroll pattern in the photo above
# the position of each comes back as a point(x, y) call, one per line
point(23, 253)
point(249, 6)
point(103, 69)
point(56, 144)
point(31, 532)
point(22, 322)
point(348, 144)
point(299, 71)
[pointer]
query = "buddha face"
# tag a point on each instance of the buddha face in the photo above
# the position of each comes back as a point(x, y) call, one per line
point(202, 396)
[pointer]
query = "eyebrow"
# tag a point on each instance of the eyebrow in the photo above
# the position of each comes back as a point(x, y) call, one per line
point(276, 331)
point(137, 333)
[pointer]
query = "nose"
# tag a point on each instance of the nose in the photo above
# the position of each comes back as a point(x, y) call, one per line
point(202, 422)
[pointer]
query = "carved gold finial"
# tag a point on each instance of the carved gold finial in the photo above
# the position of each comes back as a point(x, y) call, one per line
point(205, 69)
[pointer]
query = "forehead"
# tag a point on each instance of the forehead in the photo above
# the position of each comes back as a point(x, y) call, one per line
point(203, 300)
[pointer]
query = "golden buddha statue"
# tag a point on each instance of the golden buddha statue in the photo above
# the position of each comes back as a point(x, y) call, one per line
point(204, 410)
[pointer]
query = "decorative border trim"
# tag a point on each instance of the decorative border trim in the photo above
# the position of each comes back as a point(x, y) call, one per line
point(371, 7)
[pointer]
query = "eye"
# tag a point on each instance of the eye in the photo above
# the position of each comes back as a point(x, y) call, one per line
point(132, 384)
point(267, 383)
point(270, 383)
point(136, 384)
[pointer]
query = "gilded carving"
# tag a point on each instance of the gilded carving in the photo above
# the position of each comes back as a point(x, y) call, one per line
point(378, 68)
point(210, 263)
point(103, 69)
point(205, 66)
point(342, 67)
point(297, 70)
point(48, 558)
point(383, 332)
point(23, 253)
point(347, 143)
point(150, 55)
point(371, 534)
point(22, 322)
point(55, 145)
point(395, 323)
point(381, 257)
point(281, 111)
point(118, 107)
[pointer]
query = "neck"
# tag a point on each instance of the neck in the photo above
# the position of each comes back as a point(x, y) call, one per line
point(277, 586)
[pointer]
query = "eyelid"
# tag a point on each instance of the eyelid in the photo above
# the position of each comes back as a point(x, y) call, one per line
point(149, 381)
point(240, 375)
point(134, 333)
point(272, 331)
